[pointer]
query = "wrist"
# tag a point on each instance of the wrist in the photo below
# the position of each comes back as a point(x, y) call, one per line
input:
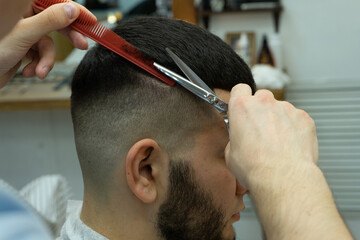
point(289, 204)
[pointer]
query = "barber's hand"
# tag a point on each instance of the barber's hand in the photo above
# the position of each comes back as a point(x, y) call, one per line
point(269, 139)
point(29, 39)
point(273, 152)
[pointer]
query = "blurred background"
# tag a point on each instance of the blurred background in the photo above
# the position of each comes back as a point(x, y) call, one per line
point(306, 52)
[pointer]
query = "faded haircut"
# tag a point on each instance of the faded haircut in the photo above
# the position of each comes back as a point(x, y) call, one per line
point(114, 103)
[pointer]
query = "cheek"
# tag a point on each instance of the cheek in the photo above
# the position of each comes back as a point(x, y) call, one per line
point(221, 183)
point(225, 187)
point(228, 232)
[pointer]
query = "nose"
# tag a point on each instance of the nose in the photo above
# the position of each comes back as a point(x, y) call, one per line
point(240, 190)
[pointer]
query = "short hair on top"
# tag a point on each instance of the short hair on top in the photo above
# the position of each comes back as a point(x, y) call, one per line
point(114, 103)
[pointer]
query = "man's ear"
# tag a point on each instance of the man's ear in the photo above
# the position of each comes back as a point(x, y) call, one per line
point(143, 163)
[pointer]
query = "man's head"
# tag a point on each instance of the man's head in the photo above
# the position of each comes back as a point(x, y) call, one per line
point(156, 151)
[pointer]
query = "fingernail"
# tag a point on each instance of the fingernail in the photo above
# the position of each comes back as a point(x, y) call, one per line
point(46, 70)
point(70, 10)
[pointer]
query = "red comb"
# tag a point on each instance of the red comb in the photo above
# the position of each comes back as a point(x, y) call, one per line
point(88, 25)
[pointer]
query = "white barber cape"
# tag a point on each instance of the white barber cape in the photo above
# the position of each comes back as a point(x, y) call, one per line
point(74, 228)
point(17, 219)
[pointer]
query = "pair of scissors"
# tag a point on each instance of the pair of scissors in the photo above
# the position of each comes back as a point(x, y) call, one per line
point(195, 85)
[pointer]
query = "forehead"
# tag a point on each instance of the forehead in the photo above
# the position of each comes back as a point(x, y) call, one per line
point(211, 138)
point(225, 96)
point(215, 138)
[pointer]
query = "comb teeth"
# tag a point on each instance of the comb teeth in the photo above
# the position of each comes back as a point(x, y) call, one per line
point(86, 22)
point(85, 19)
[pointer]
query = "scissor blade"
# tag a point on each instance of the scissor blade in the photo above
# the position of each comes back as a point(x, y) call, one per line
point(192, 87)
point(191, 75)
point(216, 102)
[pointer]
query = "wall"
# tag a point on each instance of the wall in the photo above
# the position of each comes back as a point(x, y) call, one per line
point(127, 5)
point(320, 37)
point(35, 143)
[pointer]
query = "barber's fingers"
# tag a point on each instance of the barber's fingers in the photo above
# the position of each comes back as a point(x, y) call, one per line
point(301, 120)
point(241, 99)
point(232, 165)
point(265, 95)
point(5, 78)
point(227, 152)
point(242, 104)
point(46, 50)
point(287, 106)
point(76, 38)
point(238, 96)
point(42, 57)
point(29, 69)
point(55, 17)
point(298, 116)
point(241, 90)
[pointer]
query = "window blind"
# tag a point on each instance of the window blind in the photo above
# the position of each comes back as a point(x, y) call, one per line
point(335, 108)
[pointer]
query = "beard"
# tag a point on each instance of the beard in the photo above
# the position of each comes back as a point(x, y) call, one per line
point(189, 212)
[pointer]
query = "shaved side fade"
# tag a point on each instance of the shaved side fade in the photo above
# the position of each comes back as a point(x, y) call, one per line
point(114, 104)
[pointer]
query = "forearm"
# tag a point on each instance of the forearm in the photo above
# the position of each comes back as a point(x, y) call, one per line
point(300, 208)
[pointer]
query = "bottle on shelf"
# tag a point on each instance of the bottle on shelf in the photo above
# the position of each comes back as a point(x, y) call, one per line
point(217, 5)
point(265, 55)
point(205, 5)
point(242, 48)
point(275, 45)
point(163, 8)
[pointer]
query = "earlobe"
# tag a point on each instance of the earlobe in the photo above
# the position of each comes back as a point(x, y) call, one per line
point(140, 175)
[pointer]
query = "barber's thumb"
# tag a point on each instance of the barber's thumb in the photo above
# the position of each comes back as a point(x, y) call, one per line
point(227, 153)
point(233, 164)
point(55, 17)
point(241, 90)
point(229, 161)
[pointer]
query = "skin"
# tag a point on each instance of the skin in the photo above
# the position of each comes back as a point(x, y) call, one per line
point(189, 212)
point(135, 199)
point(28, 39)
point(289, 191)
point(213, 174)
point(291, 196)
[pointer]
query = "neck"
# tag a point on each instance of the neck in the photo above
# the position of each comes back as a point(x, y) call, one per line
point(119, 220)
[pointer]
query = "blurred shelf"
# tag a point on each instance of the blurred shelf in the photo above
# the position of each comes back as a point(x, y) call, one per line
point(102, 15)
point(208, 13)
point(276, 11)
point(34, 96)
